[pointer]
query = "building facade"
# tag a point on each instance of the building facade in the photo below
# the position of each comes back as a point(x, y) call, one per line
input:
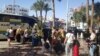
point(15, 9)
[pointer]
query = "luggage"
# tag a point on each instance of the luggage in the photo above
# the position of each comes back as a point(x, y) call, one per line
point(22, 40)
point(47, 45)
point(35, 41)
point(75, 50)
point(58, 48)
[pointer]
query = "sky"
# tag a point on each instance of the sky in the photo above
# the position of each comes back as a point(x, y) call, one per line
point(61, 9)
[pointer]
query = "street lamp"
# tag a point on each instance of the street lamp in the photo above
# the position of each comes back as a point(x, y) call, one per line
point(13, 7)
point(67, 14)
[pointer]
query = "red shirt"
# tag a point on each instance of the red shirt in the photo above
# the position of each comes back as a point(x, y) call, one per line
point(76, 50)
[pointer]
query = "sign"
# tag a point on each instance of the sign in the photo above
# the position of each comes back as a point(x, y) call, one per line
point(15, 20)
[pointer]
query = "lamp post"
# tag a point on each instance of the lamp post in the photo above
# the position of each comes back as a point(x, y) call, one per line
point(92, 17)
point(67, 14)
point(87, 13)
point(13, 7)
point(53, 7)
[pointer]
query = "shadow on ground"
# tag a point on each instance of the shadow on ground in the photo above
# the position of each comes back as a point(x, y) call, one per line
point(83, 55)
point(24, 50)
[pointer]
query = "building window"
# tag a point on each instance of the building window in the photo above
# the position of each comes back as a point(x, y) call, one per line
point(1, 24)
point(4, 24)
point(7, 24)
point(14, 9)
point(10, 8)
point(7, 8)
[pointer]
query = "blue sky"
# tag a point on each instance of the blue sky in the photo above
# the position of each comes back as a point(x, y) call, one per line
point(61, 7)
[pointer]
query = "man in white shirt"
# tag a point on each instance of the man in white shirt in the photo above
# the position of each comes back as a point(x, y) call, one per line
point(92, 42)
point(68, 43)
point(10, 31)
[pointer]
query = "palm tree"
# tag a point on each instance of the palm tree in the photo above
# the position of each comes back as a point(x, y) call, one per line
point(46, 9)
point(38, 6)
point(53, 10)
point(87, 13)
point(92, 17)
point(35, 7)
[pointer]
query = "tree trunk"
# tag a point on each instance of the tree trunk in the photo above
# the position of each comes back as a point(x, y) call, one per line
point(92, 17)
point(41, 17)
point(53, 5)
point(99, 21)
point(87, 13)
point(45, 16)
point(36, 14)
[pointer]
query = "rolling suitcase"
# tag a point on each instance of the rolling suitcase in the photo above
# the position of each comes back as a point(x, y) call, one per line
point(75, 50)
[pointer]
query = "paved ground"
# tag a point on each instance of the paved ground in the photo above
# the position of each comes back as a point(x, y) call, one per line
point(18, 49)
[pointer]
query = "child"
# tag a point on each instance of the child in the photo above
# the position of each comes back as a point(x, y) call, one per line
point(76, 45)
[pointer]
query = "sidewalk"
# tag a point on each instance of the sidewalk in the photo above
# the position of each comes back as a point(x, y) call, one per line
point(84, 51)
point(21, 50)
point(4, 45)
point(27, 50)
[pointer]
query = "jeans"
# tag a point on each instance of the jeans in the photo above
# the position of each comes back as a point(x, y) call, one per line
point(92, 49)
point(68, 49)
point(33, 41)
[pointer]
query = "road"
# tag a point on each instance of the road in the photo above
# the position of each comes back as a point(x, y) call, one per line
point(18, 49)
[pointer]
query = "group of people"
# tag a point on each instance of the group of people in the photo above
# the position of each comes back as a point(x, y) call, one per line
point(19, 35)
point(56, 38)
point(93, 39)
point(72, 44)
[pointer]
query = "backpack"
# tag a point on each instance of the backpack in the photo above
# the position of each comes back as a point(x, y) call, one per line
point(7, 33)
point(47, 45)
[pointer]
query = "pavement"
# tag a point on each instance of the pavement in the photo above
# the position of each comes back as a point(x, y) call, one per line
point(18, 49)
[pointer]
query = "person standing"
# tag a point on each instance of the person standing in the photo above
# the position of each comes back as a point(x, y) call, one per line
point(62, 36)
point(92, 42)
point(34, 36)
point(26, 35)
point(18, 34)
point(76, 46)
point(55, 36)
point(69, 42)
point(10, 36)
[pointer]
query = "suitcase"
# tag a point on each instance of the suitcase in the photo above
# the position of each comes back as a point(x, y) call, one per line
point(75, 50)
point(58, 48)
point(35, 41)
